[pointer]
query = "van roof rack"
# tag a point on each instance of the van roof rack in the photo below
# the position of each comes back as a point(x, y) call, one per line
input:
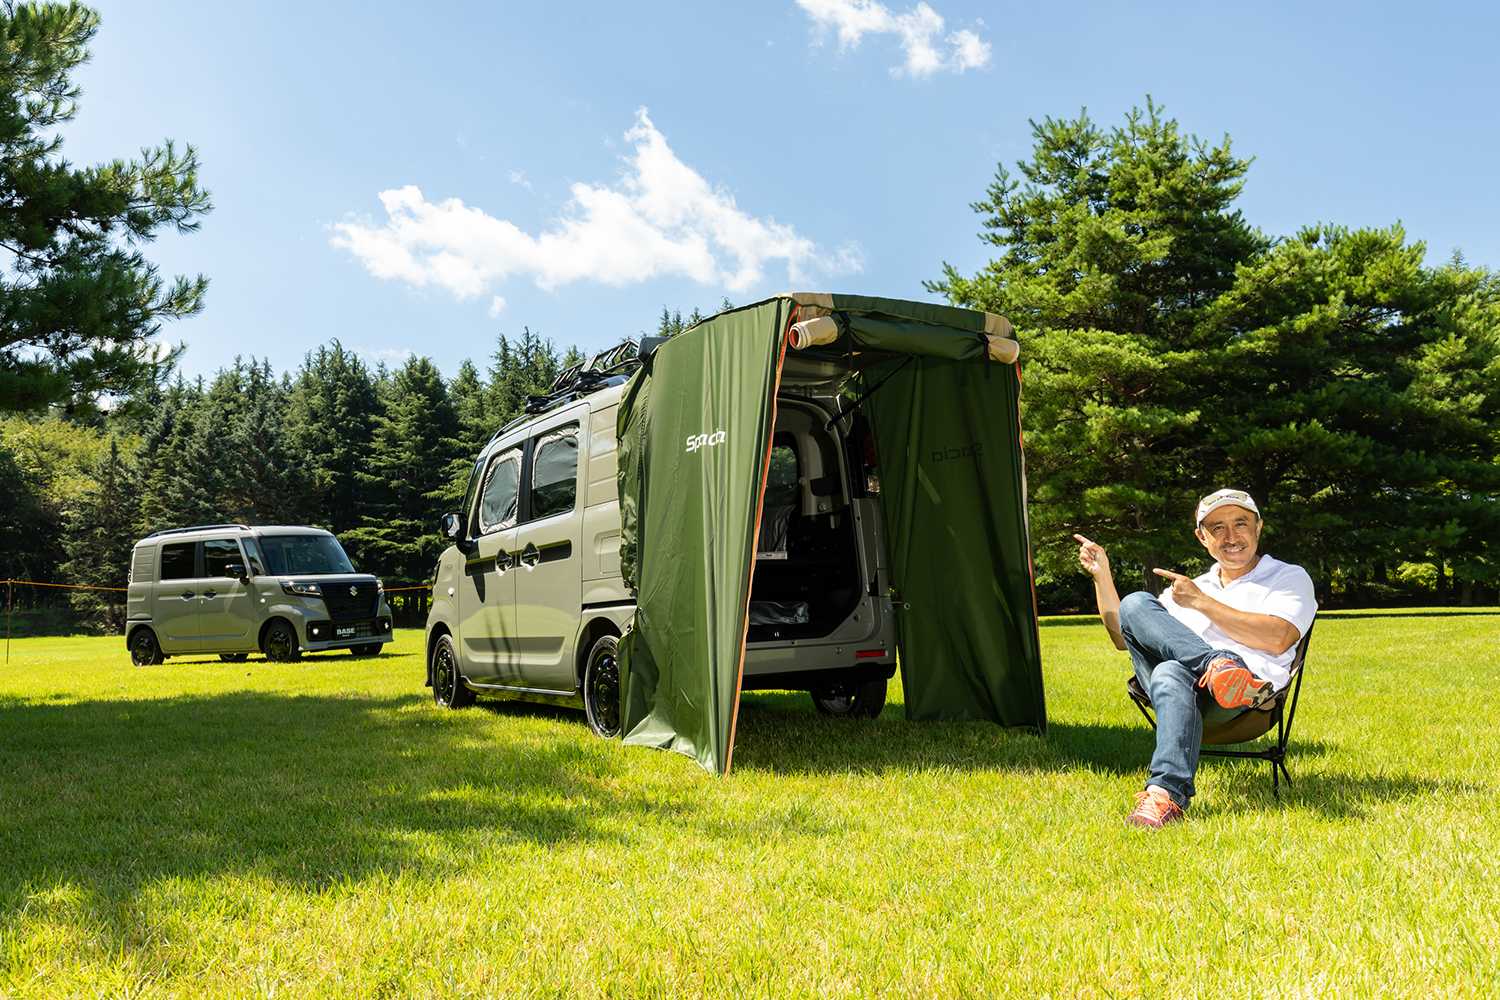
point(584, 377)
point(197, 527)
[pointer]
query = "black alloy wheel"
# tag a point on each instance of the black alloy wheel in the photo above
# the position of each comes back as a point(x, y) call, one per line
point(856, 701)
point(601, 688)
point(448, 688)
point(234, 657)
point(144, 651)
point(280, 644)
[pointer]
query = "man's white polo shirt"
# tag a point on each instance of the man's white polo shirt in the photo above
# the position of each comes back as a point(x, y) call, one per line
point(1271, 588)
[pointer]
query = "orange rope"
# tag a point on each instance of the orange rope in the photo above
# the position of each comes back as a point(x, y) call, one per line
point(74, 586)
point(69, 586)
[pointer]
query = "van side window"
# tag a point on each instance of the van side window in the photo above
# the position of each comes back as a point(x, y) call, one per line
point(218, 554)
point(177, 561)
point(502, 489)
point(554, 472)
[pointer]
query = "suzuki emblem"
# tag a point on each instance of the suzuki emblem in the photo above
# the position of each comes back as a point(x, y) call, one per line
point(353, 590)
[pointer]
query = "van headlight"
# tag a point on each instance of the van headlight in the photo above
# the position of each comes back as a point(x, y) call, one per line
point(302, 589)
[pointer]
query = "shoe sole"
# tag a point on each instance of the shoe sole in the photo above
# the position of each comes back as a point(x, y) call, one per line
point(1236, 687)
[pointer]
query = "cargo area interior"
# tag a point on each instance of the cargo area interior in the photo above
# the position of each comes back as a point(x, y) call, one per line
point(807, 567)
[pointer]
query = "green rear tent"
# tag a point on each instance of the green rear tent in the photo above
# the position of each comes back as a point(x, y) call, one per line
point(695, 428)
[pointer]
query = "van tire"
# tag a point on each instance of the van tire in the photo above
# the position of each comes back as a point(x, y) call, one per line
point(280, 642)
point(857, 701)
point(601, 688)
point(145, 651)
point(448, 687)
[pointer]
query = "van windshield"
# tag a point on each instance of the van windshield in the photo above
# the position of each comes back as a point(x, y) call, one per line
point(304, 555)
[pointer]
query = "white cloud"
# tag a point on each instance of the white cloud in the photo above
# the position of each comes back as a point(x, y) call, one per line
point(662, 218)
point(496, 305)
point(920, 31)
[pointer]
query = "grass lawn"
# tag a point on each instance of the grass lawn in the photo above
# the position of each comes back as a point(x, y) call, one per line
point(209, 829)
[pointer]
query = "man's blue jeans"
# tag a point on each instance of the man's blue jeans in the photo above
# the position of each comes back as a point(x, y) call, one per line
point(1169, 658)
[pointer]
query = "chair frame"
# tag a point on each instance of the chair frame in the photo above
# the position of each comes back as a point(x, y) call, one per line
point(1282, 711)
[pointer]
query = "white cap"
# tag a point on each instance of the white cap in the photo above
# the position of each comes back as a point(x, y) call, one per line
point(1220, 498)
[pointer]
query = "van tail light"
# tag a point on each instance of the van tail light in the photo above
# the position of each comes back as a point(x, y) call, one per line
point(865, 654)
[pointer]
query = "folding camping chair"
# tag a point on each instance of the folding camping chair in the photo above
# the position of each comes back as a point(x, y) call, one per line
point(1277, 713)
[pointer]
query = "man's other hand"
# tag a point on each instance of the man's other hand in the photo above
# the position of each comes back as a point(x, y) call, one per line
point(1092, 558)
point(1185, 592)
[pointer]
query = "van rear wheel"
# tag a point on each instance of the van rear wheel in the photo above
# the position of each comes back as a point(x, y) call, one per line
point(859, 701)
point(144, 650)
point(601, 688)
point(448, 688)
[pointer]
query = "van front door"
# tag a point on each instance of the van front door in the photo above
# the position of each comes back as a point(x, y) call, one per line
point(487, 584)
point(549, 580)
point(226, 608)
point(174, 614)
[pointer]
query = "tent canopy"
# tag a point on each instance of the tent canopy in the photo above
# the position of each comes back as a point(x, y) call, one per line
point(695, 428)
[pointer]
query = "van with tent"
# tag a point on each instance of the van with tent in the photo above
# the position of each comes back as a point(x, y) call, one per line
point(800, 494)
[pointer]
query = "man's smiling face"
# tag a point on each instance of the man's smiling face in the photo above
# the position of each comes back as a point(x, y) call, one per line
point(1230, 534)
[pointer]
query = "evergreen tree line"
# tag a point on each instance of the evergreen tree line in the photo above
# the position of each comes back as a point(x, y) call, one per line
point(374, 454)
point(1171, 348)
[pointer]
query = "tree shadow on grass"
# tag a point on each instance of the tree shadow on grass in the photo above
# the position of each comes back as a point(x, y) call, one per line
point(1339, 616)
point(779, 733)
point(309, 791)
point(1244, 786)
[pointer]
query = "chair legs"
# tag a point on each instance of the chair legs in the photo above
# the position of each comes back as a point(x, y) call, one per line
point(1275, 754)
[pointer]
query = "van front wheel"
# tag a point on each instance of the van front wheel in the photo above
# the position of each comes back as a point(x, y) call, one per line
point(601, 688)
point(858, 701)
point(448, 688)
point(280, 645)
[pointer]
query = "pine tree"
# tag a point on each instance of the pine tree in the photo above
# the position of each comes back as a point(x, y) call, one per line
point(99, 535)
point(80, 303)
point(1113, 251)
point(265, 484)
point(329, 430)
point(1370, 412)
point(410, 453)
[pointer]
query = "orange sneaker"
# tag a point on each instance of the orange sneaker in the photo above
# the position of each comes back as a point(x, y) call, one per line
point(1234, 686)
point(1154, 808)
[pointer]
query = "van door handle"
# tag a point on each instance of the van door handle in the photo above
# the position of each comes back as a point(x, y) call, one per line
point(531, 556)
point(188, 595)
point(210, 594)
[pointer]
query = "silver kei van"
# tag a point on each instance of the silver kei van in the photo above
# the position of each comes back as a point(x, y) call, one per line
point(529, 602)
point(235, 590)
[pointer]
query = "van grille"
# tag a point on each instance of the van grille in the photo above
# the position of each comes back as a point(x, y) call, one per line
point(342, 604)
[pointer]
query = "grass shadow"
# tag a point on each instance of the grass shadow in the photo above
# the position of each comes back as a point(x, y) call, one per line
point(779, 733)
point(1245, 787)
point(304, 790)
point(1335, 615)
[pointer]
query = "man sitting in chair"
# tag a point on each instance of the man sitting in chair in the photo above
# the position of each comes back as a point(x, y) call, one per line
point(1209, 648)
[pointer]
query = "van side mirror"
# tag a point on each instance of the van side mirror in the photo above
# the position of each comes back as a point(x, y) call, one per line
point(238, 571)
point(453, 527)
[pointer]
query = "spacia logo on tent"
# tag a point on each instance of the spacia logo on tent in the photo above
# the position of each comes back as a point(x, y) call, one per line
point(697, 441)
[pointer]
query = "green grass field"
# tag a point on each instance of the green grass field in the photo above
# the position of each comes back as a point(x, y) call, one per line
point(207, 829)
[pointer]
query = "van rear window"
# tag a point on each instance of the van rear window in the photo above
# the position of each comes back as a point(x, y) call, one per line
point(177, 561)
point(304, 555)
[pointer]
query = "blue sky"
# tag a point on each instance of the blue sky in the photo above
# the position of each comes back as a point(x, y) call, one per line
point(424, 179)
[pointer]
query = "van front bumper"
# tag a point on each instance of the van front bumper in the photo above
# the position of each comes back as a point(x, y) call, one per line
point(325, 634)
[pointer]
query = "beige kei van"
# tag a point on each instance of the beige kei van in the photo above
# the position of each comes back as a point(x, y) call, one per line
point(234, 590)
